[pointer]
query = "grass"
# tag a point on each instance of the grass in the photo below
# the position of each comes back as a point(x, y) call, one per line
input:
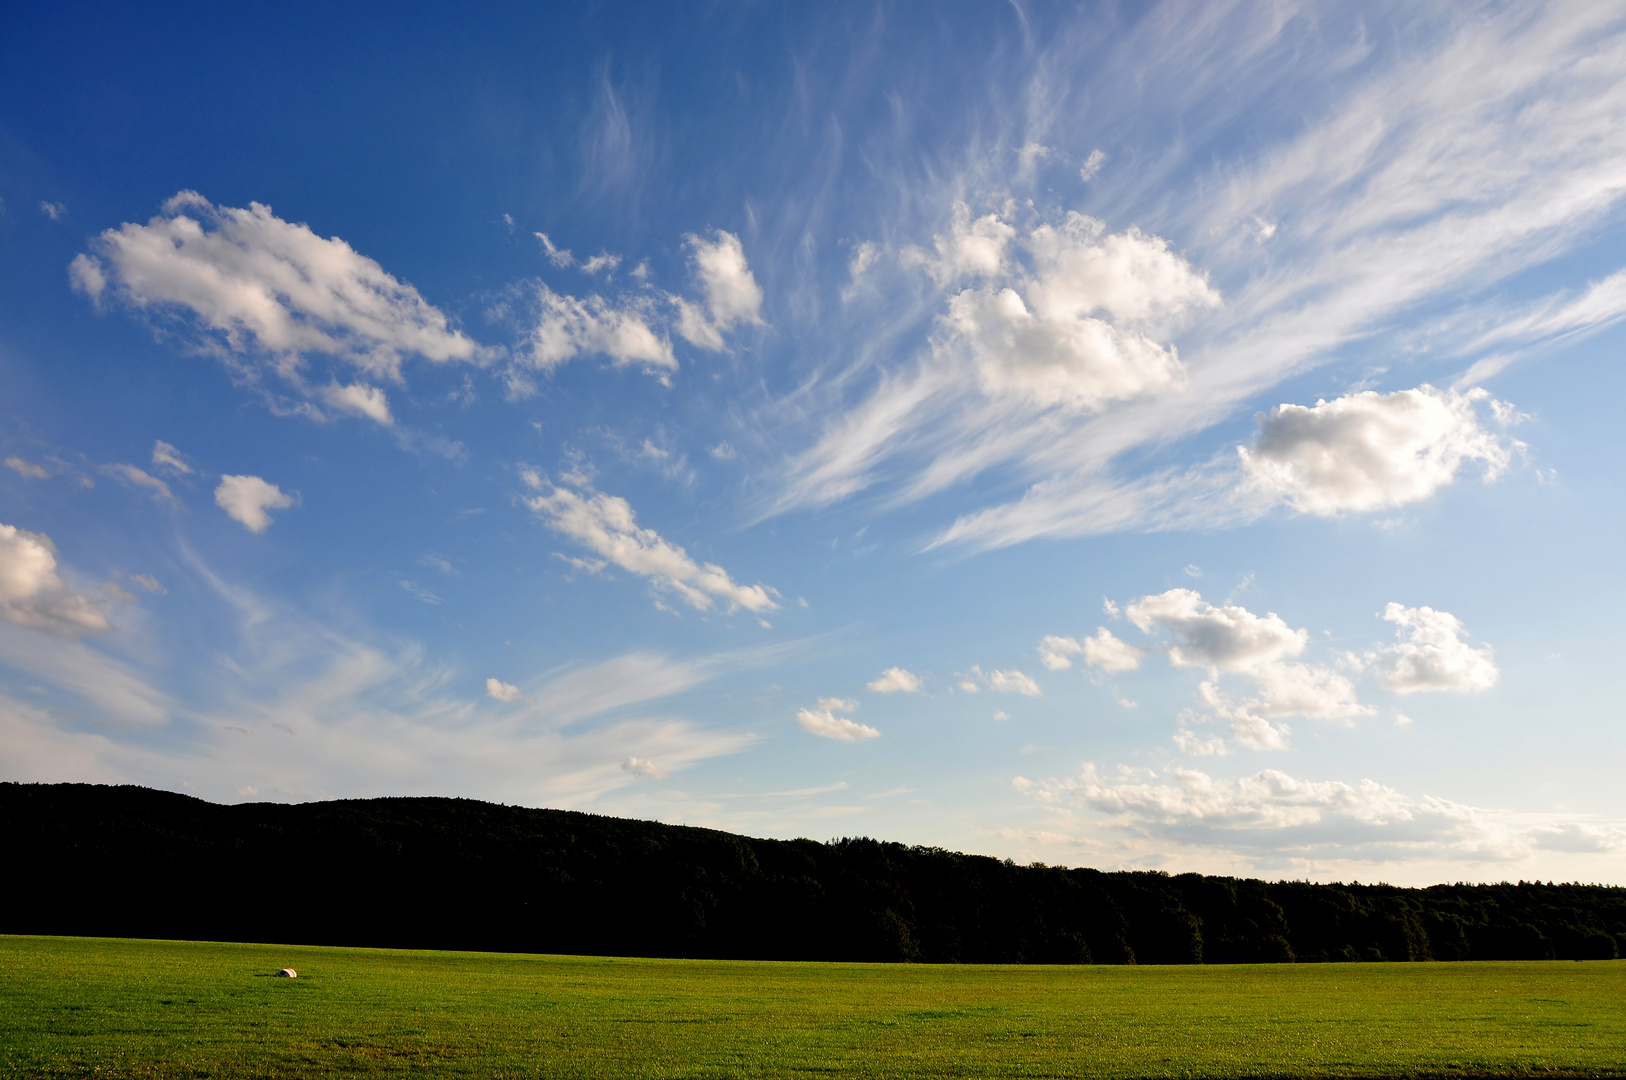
point(73, 1007)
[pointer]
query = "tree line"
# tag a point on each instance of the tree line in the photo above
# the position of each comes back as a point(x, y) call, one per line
point(462, 874)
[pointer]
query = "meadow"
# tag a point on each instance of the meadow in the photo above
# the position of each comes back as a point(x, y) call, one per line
point(73, 1007)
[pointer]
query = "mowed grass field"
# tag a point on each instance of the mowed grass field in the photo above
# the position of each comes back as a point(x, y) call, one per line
point(73, 1007)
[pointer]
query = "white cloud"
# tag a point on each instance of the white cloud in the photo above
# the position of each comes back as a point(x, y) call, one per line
point(498, 690)
point(32, 593)
point(895, 680)
point(606, 525)
point(557, 256)
point(1276, 817)
point(567, 327)
point(1001, 715)
point(247, 498)
point(602, 261)
point(1431, 654)
point(27, 469)
point(165, 456)
point(824, 723)
point(643, 767)
point(731, 290)
point(150, 583)
point(1229, 638)
point(358, 398)
point(1110, 653)
point(1092, 165)
point(1191, 743)
point(723, 452)
point(142, 480)
point(253, 285)
point(1370, 451)
point(1010, 682)
point(1103, 650)
point(864, 257)
point(836, 704)
point(54, 210)
point(1056, 652)
point(1072, 331)
point(1233, 639)
point(1049, 322)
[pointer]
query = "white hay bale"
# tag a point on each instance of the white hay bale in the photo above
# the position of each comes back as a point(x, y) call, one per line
point(287, 973)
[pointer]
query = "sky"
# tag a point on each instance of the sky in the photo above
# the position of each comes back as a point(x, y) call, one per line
point(1163, 436)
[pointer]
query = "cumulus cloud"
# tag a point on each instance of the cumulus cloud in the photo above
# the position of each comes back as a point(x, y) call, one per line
point(824, 722)
point(247, 498)
point(498, 690)
point(255, 287)
point(1075, 329)
point(1430, 654)
point(1228, 638)
point(643, 767)
point(567, 327)
point(32, 593)
point(895, 680)
point(1370, 451)
point(1232, 639)
point(1109, 653)
point(1008, 682)
point(1056, 652)
point(1271, 811)
point(607, 526)
point(165, 456)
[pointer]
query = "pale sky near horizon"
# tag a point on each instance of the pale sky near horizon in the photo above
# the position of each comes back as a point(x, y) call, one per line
point(1163, 436)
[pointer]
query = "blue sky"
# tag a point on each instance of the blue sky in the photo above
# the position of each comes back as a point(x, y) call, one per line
point(1137, 435)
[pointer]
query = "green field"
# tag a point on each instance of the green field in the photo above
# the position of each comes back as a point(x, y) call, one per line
point(96, 1007)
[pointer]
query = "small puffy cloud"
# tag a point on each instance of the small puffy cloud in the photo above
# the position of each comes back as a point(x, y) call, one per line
point(824, 723)
point(165, 456)
point(1109, 653)
point(247, 498)
point(1430, 654)
point(1228, 638)
point(1092, 165)
point(1233, 639)
point(1001, 715)
point(895, 680)
point(602, 261)
point(837, 704)
point(27, 469)
point(731, 290)
point(567, 327)
point(54, 210)
point(251, 283)
point(33, 594)
point(142, 480)
point(1056, 653)
point(968, 686)
point(723, 452)
point(638, 766)
point(498, 690)
point(606, 525)
point(1010, 682)
point(1370, 451)
point(360, 399)
point(970, 248)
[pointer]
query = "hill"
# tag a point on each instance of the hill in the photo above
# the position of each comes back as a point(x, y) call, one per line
point(463, 874)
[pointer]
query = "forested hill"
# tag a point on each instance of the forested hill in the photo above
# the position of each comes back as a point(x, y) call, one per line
point(456, 873)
